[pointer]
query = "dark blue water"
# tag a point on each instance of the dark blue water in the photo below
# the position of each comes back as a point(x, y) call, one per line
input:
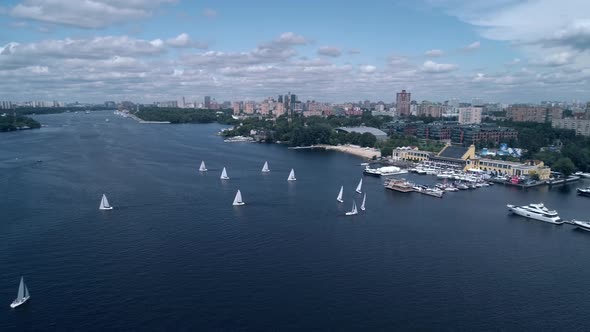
point(176, 255)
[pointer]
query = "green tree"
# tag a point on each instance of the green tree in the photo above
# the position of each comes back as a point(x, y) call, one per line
point(565, 166)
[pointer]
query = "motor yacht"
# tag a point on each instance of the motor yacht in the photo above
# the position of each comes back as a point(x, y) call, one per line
point(585, 225)
point(537, 212)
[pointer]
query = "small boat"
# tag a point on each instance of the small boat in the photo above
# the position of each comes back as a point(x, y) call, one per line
point(339, 198)
point(104, 203)
point(537, 212)
point(585, 225)
point(106, 120)
point(583, 191)
point(238, 199)
point(582, 174)
point(265, 168)
point(291, 176)
point(224, 175)
point(360, 185)
point(353, 211)
point(22, 296)
point(203, 168)
point(364, 200)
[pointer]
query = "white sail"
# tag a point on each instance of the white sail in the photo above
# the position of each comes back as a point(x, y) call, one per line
point(26, 291)
point(21, 290)
point(292, 176)
point(265, 167)
point(238, 198)
point(202, 168)
point(358, 188)
point(224, 175)
point(339, 198)
point(363, 204)
point(353, 211)
point(104, 203)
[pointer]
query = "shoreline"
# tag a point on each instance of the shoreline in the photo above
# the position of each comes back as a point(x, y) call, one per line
point(367, 153)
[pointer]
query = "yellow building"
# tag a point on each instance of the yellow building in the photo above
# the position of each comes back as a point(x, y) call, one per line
point(501, 167)
point(410, 154)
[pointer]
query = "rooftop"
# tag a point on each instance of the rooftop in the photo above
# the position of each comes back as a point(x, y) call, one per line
point(362, 130)
point(455, 152)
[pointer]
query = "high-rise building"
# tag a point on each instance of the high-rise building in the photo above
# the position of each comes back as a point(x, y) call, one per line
point(281, 99)
point(207, 102)
point(469, 115)
point(236, 107)
point(403, 100)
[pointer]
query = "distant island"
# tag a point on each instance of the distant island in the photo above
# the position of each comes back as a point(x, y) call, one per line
point(10, 122)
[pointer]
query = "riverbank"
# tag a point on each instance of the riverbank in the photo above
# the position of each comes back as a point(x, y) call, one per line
point(367, 153)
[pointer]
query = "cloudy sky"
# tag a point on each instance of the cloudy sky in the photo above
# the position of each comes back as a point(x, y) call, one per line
point(148, 50)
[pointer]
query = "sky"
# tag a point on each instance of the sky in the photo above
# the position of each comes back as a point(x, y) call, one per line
point(154, 50)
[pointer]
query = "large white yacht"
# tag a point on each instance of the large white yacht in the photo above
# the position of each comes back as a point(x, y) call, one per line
point(536, 211)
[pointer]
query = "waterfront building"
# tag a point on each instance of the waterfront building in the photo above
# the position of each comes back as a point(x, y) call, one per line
point(454, 156)
point(379, 134)
point(411, 154)
point(473, 134)
point(581, 126)
point(470, 115)
point(403, 100)
point(501, 167)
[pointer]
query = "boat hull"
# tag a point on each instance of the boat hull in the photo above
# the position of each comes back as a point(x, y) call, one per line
point(516, 210)
point(582, 225)
point(583, 192)
point(340, 201)
point(16, 304)
point(224, 178)
point(351, 213)
point(239, 204)
point(105, 208)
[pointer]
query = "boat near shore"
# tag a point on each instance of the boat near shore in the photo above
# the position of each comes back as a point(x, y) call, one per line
point(585, 225)
point(583, 191)
point(384, 171)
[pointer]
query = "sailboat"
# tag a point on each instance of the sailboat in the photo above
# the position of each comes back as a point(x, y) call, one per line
point(22, 296)
point(354, 211)
point(291, 176)
point(104, 203)
point(224, 175)
point(202, 168)
point(358, 188)
point(339, 198)
point(238, 199)
point(364, 199)
point(265, 168)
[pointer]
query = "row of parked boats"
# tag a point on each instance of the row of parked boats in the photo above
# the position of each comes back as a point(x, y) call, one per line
point(540, 212)
point(437, 190)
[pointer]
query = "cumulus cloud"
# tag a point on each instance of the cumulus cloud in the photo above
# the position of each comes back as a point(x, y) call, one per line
point(435, 68)
point(184, 40)
point(209, 12)
point(555, 60)
point(354, 51)
point(85, 14)
point(329, 51)
point(575, 36)
point(368, 69)
point(434, 53)
point(472, 47)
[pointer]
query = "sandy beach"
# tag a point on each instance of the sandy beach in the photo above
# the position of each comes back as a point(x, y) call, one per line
point(367, 153)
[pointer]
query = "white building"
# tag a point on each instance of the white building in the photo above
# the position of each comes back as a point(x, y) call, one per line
point(469, 115)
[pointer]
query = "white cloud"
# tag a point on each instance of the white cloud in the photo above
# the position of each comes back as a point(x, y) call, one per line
point(472, 47)
point(88, 14)
point(434, 53)
point(184, 40)
point(555, 60)
point(209, 12)
point(368, 69)
point(329, 51)
point(291, 38)
point(434, 68)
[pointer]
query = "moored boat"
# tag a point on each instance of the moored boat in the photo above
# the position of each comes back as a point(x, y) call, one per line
point(537, 212)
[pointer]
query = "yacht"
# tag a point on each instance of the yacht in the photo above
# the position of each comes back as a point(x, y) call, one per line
point(585, 225)
point(583, 191)
point(536, 211)
point(22, 295)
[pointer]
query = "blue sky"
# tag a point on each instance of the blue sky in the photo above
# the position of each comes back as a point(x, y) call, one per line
point(146, 50)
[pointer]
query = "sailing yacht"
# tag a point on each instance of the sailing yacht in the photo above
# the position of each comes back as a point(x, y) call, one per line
point(238, 199)
point(22, 295)
point(358, 188)
point(202, 168)
point(364, 200)
point(291, 176)
point(104, 203)
point(265, 168)
point(339, 198)
point(354, 211)
point(224, 175)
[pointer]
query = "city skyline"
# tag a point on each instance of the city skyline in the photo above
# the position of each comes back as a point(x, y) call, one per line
point(152, 50)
